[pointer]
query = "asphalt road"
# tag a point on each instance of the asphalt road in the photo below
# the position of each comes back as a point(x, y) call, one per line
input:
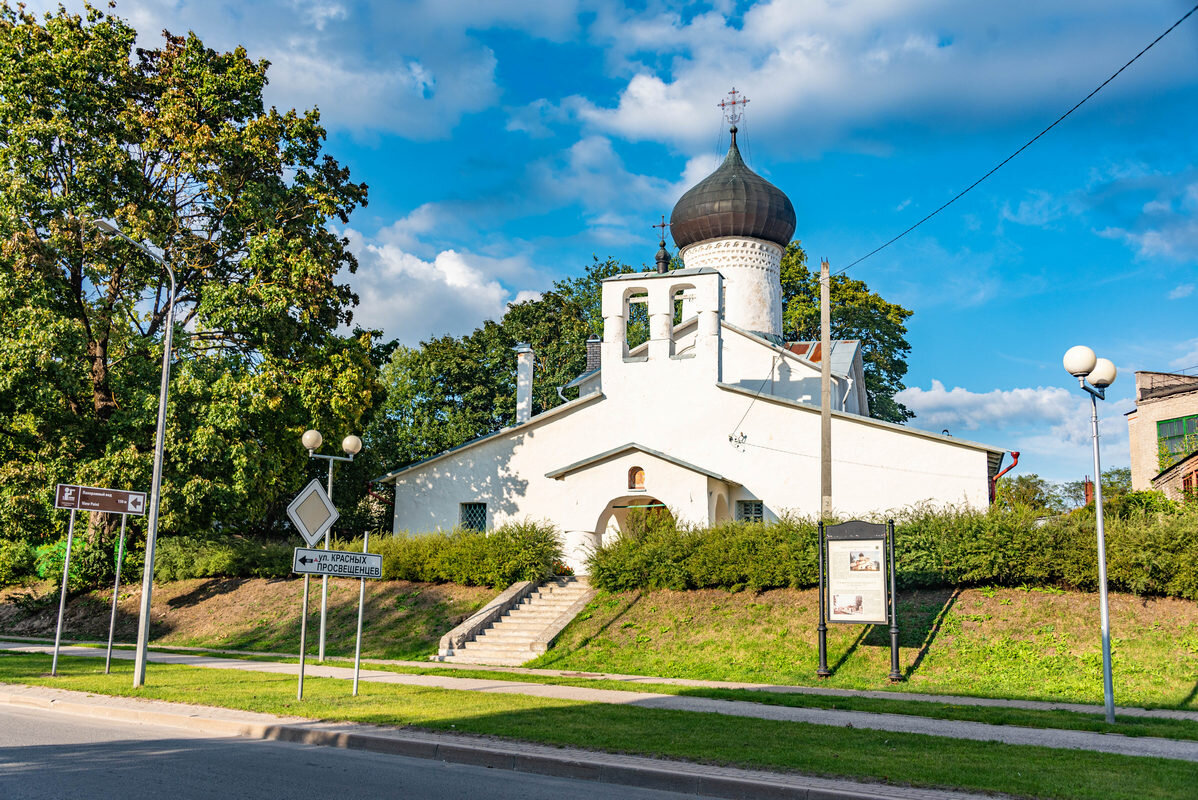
point(46, 755)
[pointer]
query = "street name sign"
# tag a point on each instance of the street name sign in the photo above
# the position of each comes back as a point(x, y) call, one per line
point(312, 512)
point(337, 563)
point(94, 498)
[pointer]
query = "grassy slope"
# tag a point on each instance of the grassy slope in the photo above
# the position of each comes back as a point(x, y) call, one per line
point(402, 619)
point(985, 642)
point(859, 754)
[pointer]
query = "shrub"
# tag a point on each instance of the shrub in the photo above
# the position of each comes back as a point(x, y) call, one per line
point(522, 551)
point(16, 561)
point(1152, 548)
point(180, 557)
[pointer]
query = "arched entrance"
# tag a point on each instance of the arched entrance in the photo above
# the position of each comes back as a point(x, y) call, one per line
point(628, 510)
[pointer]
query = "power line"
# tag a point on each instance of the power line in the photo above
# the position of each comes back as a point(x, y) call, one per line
point(1032, 141)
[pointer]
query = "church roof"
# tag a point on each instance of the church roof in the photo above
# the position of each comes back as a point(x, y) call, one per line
point(562, 472)
point(733, 201)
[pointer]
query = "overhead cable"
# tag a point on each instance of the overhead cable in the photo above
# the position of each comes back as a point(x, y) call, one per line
point(1030, 142)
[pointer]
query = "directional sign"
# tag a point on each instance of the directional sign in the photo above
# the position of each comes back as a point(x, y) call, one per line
point(337, 563)
point(312, 512)
point(94, 498)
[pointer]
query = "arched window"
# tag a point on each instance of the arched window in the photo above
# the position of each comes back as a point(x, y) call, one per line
point(636, 478)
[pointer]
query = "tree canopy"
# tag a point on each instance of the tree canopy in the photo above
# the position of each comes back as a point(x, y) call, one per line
point(857, 313)
point(175, 144)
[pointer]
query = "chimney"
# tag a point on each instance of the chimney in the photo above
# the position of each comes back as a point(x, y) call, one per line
point(594, 352)
point(524, 358)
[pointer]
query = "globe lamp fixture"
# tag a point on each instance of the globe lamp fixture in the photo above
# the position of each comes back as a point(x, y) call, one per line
point(1081, 363)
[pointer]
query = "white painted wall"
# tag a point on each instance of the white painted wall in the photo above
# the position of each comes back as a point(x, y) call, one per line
point(676, 405)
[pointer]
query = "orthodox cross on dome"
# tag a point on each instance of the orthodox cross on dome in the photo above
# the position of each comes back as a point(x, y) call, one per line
point(663, 225)
point(733, 106)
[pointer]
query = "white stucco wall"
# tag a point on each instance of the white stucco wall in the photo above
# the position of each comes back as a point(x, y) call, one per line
point(765, 447)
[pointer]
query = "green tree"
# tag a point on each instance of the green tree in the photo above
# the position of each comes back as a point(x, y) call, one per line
point(176, 145)
point(1027, 491)
point(857, 313)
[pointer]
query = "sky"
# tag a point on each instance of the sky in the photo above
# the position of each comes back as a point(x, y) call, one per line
point(508, 142)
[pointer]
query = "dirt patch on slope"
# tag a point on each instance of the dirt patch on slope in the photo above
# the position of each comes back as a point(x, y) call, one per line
point(401, 619)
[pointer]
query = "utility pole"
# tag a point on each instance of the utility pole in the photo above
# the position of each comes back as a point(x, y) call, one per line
point(825, 392)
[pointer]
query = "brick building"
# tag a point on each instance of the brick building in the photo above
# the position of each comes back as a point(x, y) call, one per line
point(1163, 432)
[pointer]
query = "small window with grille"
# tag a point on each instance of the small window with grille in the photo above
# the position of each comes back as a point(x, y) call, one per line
point(474, 516)
point(749, 510)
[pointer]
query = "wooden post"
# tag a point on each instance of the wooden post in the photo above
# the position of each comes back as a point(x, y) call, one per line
point(825, 393)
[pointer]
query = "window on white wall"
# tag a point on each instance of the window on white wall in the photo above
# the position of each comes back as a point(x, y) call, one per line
point(750, 510)
point(473, 516)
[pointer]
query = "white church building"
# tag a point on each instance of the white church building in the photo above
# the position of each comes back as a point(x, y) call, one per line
point(715, 417)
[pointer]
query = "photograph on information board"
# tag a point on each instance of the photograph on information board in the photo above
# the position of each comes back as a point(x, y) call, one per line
point(856, 581)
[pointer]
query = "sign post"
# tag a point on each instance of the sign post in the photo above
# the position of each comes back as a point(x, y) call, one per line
point(116, 590)
point(361, 605)
point(856, 583)
point(313, 514)
point(341, 564)
point(109, 501)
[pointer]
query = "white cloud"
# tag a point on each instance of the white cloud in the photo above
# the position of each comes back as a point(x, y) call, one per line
point(959, 407)
point(1036, 421)
point(1189, 358)
point(1039, 210)
point(414, 67)
point(413, 300)
point(815, 71)
point(1181, 291)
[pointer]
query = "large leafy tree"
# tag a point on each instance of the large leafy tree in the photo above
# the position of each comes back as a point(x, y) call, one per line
point(857, 313)
point(176, 145)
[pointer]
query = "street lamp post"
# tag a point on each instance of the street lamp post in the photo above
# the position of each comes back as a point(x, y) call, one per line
point(147, 580)
point(1081, 363)
point(352, 445)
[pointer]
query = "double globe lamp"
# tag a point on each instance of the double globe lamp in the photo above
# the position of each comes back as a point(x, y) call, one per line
point(1094, 375)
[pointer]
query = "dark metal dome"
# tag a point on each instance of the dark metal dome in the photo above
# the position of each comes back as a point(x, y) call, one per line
point(733, 201)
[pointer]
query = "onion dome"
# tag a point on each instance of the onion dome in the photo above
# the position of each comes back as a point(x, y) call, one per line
point(733, 201)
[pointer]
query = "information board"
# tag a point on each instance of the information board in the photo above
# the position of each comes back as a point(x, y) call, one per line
point(857, 581)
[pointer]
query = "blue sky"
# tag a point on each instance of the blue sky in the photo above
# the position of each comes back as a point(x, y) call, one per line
point(505, 143)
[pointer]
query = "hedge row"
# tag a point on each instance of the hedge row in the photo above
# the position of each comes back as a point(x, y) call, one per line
point(1148, 552)
point(516, 552)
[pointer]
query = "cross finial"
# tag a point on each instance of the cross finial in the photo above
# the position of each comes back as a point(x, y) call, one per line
point(733, 106)
point(663, 225)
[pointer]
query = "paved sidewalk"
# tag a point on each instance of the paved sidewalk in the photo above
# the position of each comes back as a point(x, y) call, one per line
point(897, 723)
point(608, 768)
point(917, 697)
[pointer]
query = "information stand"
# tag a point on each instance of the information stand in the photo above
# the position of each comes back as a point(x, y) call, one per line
point(107, 501)
point(856, 583)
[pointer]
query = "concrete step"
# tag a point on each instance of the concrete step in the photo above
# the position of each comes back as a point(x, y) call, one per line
point(492, 646)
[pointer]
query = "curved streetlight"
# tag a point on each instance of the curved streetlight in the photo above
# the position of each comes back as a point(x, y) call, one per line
point(1081, 363)
point(147, 580)
point(352, 445)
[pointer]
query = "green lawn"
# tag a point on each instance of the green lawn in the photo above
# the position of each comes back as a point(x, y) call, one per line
point(988, 642)
point(817, 750)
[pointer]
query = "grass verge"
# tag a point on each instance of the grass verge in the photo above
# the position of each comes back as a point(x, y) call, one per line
point(764, 744)
point(964, 711)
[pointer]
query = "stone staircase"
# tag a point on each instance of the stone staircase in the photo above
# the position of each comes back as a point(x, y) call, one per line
point(527, 628)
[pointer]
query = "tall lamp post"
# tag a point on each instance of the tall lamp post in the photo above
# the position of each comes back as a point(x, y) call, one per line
point(147, 580)
point(1081, 363)
point(352, 445)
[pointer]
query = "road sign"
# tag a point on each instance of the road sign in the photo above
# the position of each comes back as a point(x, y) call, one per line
point(312, 512)
point(94, 498)
point(337, 563)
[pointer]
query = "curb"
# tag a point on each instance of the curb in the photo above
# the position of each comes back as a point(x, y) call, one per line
point(638, 771)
